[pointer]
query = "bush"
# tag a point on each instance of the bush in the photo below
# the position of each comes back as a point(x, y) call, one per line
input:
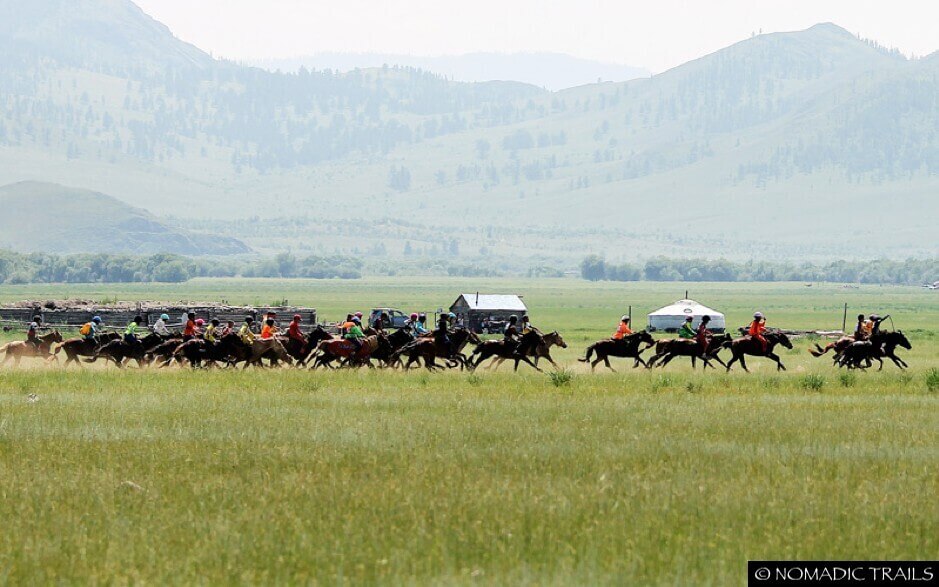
point(847, 379)
point(561, 378)
point(932, 380)
point(813, 381)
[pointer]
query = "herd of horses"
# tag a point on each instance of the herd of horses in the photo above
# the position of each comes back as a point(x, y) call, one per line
point(398, 348)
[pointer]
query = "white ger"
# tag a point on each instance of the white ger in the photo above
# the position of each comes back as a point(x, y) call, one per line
point(671, 317)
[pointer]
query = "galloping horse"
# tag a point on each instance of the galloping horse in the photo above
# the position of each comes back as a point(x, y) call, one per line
point(627, 348)
point(80, 347)
point(333, 350)
point(17, 350)
point(427, 349)
point(503, 350)
point(750, 346)
point(121, 351)
point(666, 350)
point(883, 344)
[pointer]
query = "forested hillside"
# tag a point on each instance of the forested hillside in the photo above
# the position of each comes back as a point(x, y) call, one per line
point(812, 143)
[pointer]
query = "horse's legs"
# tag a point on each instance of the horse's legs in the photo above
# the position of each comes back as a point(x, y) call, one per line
point(730, 363)
point(694, 362)
point(743, 363)
point(606, 361)
point(775, 357)
point(668, 359)
point(639, 361)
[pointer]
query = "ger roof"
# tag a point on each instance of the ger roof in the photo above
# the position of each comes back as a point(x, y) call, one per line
point(494, 302)
point(681, 307)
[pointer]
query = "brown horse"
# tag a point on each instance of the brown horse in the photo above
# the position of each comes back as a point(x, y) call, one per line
point(81, 347)
point(15, 351)
point(751, 346)
point(504, 351)
point(666, 350)
point(627, 348)
point(882, 345)
point(271, 347)
point(334, 350)
point(838, 347)
point(429, 351)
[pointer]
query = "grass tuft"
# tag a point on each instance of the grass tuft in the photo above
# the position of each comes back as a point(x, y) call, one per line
point(812, 381)
point(847, 379)
point(932, 379)
point(561, 378)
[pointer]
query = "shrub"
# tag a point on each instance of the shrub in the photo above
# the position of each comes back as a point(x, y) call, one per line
point(561, 378)
point(813, 381)
point(847, 379)
point(932, 380)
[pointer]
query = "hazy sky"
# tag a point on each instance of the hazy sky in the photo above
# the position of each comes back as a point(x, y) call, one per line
point(656, 34)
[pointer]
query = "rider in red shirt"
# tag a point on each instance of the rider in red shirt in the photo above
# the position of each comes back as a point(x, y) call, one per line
point(702, 334)
point(757, 328)
point(294, 332)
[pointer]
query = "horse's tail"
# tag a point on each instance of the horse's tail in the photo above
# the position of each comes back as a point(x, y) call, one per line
point(4, 348)
point(589, 355)
point(819, 351)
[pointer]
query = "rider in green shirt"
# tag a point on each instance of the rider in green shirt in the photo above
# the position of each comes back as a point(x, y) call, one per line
point(686, 330)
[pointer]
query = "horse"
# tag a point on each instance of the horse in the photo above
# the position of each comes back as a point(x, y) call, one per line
point(17, 350)
point(504, 350)
point(82, 347)
point(880, 345)
point(627, 348)
point(541, 351)
point(389, 345)
point(335, 349)
point(666, 350)
point(750, 346)
point(267, 347)
point(838, 347)
point(121, 351)
point(428, 350)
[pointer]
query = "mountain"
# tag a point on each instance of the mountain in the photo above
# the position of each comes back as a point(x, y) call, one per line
point(803, 145)
point(44, 217)
point(553, 71)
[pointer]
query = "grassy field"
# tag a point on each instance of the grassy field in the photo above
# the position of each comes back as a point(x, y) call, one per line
point(666, 477)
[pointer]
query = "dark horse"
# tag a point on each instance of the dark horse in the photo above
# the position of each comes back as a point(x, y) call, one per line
point(880, 345)
point(627, 348)
point(389, 345)
point(504, 350)
point(666, 350)
point(120, 351)
point(229, 350)
point(427, 349)
point(80, 347)
point(750, 346)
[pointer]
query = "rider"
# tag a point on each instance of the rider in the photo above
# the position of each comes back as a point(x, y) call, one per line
point(757, 328)
point(510, 334)
point(420, 327)
point(624, 330)
point(381, 322)
point(90, 330)
point(190, 332)
point(875, 322)
point(200, 324)
point(703, 335)
point(268, 330)
point(529, 337)
point(32, 335)
point(229, 329)
point(130, 333)
point(294, 331)
point(211, 333)
point(355, 334)
point(442, 334)
point(159, 327)
point(687, 330)
point(245, 333)
point(861, 332)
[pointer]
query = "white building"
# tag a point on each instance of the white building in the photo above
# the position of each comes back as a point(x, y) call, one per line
point(671, 317)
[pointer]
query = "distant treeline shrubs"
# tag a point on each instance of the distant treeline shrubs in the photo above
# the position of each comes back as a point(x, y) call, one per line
point(18, 268)
point(910, 272)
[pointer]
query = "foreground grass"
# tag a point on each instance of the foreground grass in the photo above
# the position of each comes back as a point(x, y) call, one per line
point(379, 477)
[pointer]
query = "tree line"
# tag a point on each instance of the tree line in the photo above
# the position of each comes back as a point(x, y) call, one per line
point(17, 268)
point(880, 271)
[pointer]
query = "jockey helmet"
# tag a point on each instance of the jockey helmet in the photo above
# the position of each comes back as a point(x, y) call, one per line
point(758, 315)
point(625, 318)
point(297, 317)
point(356, 319)
point(513, 318)
point(200, 322)
point(414, 316)
point(451, 315)
point(706, 319)
point(96, 319)
point(359, 315)
point(689, 319)
point(164, 316)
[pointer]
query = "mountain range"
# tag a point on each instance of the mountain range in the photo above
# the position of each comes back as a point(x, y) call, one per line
point(552, 71)
point(804, 145)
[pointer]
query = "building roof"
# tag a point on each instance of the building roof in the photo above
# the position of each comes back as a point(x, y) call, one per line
point(685, 308)
point(493, 302)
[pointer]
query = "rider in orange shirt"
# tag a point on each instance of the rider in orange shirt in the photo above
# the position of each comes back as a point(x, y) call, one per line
point(269, 330)
point(623, 331)
point(757, 328)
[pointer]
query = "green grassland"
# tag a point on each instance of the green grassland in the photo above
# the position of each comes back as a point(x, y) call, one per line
point(664, 477)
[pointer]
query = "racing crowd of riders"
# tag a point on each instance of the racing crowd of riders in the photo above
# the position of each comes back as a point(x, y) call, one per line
point(516, 332)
